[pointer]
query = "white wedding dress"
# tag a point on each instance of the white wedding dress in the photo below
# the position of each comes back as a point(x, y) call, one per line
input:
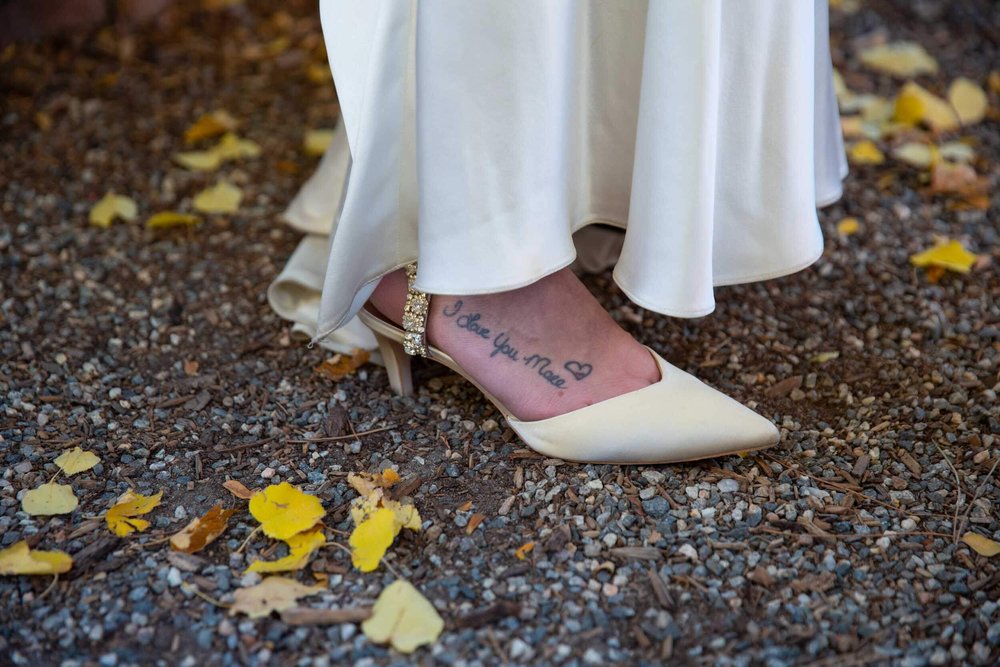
point(478, 137)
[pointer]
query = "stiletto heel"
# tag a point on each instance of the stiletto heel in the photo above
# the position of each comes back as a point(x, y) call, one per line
point(397, 364)
point(679, 418)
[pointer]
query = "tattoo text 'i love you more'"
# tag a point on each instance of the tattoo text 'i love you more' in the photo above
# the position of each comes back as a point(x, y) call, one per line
point(503, 347)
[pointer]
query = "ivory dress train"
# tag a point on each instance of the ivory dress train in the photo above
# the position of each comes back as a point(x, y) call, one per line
point(478, 137)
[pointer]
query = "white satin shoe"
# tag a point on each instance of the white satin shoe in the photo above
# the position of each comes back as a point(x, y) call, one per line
point(679, 418)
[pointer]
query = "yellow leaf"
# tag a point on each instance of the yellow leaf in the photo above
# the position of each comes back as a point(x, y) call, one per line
point(917, 155)
point(865, 152)
point(272, 594)
point(902, 59)
point(364, 482)
point(210, 125)
point(403, 618)
point(372, 538)
point(112, 206)
point(318, 73)
point(168, 219)
point(340, 366)
point(947, 254)
point(201, 531)
point(300, 548)
point(522, 551)
point(76, 460)
point(824, 357)
point(48, 499)
point(232, 147)
point(19, 559)
point(121, 518)
point(848, 226)
point(406, 515)
point(983, 546)
point(317, 141)
point(916, 104)
point(284, 510)
point(199, 160)
point(968, 100)
point(222, 197)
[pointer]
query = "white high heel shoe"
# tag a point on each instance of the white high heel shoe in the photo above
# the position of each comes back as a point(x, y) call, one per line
point(679, 418)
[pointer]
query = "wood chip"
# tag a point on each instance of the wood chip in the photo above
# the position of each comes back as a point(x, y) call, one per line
point(862, 465)
point(660, 589)
point(493, 613)
point(645, 553)
point(784, 388)
point(186, 562)
point(910, 462)
point(310, 616)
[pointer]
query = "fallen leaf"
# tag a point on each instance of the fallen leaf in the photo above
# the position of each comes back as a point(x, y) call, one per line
point(824, 357)
point(318, 73)
point(317, 141)
point(283, 510)
point(960, 180)
point(48, 499)
point(210, 125)
point(523, 550)
point(406, 516)
point(915, 104)
point(865, 152)
point(199, 160)
point(983, 546)
point(968, 100)
point(371, 538)
point(300, 548)
point(112, 206)
point(474, 522)
point(956, 151)
point(201, 531)
point(403, 618)
point(76, 460)
point(191, 367)
point(169, 219)
point(917, 155)
point(230, 147)
point(946, 254)
point(364, 483)
point(848, 226)
point(19, 559)
point(223, 197)
point(340, 366)
point(238, 489)
point(122, 519)
point(902, 59)
point(272, 594)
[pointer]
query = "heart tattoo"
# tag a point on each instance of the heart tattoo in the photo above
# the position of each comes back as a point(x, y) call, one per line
point(577, 369)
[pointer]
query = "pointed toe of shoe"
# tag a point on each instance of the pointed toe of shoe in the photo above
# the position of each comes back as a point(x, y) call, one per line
point(676, 419)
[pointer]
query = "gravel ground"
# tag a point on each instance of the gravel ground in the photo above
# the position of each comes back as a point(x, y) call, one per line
point(838, 547)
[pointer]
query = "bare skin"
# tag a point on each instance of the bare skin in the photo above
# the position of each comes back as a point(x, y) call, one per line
point(543, 350)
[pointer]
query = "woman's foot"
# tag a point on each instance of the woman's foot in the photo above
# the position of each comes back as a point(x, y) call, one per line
point(542, 350)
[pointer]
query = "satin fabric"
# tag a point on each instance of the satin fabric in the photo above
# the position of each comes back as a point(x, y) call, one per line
point(483, 134)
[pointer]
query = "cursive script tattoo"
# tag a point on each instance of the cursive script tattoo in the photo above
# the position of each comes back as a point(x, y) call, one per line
point(503, 347)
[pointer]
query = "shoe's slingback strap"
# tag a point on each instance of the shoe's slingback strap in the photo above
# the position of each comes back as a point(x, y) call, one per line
point(415, 311)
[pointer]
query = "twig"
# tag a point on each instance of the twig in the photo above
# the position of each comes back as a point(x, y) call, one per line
point(249, 537)
point(339, 437)
point(975, 497)
point(204, 596)
point(55, 580)
point(958, 488)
